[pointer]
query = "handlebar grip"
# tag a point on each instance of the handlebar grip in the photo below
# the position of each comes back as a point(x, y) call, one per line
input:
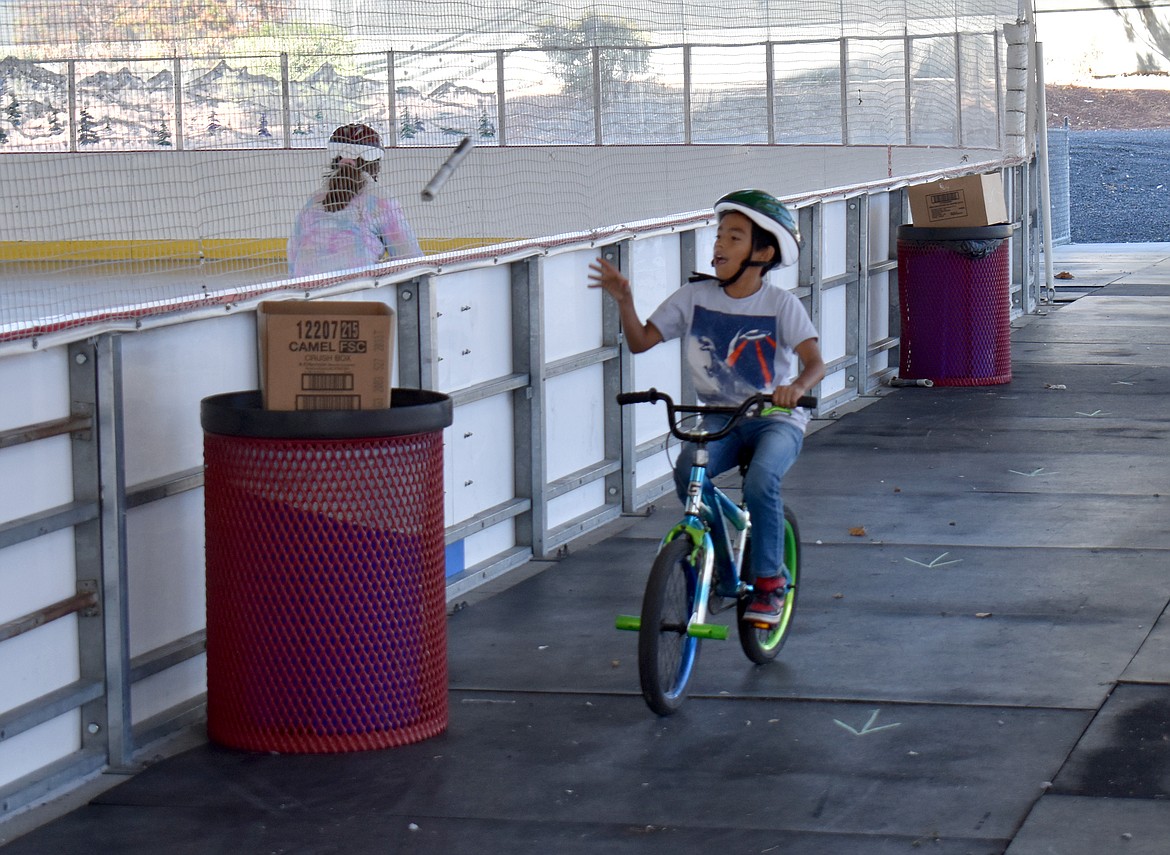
point(649, 397)
point(807, 401)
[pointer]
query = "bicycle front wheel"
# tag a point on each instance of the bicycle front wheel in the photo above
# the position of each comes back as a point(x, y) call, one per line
point(666, 654)
point(762, 644)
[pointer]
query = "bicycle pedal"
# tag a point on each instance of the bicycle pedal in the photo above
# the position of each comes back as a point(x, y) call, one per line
point(715, 631)
point(630, 622)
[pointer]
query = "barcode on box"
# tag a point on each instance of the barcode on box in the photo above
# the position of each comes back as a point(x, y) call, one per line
point(945, 198)
point(329, 402)
point(326, 382)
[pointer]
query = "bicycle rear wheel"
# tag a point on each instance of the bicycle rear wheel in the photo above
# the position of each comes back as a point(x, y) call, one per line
point(759, 644)
point(666, 654)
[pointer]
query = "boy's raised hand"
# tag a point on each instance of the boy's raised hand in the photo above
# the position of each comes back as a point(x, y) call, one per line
point(610, 279)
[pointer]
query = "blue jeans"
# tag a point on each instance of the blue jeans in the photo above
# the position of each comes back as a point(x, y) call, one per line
point(777, 444)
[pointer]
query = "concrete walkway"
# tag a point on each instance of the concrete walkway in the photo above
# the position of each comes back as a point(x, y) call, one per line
point(980, 662)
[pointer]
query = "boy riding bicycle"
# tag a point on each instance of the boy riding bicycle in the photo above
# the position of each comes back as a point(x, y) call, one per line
point(742, 336)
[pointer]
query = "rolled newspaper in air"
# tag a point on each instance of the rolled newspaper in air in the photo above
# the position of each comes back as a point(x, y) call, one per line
point(444, 172)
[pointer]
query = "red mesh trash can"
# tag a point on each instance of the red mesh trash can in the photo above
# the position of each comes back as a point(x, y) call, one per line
point(326, 590)
point(954, 286)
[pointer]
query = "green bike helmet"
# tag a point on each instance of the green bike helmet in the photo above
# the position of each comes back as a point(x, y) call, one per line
point(769, 213)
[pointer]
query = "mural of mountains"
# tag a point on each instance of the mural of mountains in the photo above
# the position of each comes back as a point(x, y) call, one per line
point(130, 105)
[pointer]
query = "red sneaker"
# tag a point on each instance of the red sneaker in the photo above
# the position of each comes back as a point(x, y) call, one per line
point(767, 600)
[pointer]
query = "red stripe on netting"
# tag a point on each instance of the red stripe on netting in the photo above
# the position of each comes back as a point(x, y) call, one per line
point(326, 611)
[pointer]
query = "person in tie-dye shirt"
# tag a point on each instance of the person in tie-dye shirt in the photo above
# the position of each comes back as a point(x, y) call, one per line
point(350, 222)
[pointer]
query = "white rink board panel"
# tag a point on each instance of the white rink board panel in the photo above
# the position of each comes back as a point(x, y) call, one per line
point(572, 310)
point(833, 383)
point(655, 271)
point(834, 234)
point(474, 327)
point(34, 388)
point(879, 316)
point(566, 508)
point(39, 661)
point(879, 227)
point(834, 337)
point(659, 368)
point(164, 567)
point(37, 476)
point(656, 466)
point(480, 457)
point(159, 692)
point(34, 749)
point(834, 333)
point(166, 372)
point(487, 544)
point(23, 590)
point(787, 278)
point(704, 249)
point(574, 432)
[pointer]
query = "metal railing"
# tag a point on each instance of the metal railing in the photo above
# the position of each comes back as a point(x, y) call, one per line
point(510, 394)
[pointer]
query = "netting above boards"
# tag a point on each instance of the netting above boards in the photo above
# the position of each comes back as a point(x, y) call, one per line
point(204, 123)
point(74, 81)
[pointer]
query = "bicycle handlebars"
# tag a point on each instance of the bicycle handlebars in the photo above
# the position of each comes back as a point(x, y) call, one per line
point(737, 414)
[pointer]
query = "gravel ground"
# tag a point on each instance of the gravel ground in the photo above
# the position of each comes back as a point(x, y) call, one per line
point(1119, 186)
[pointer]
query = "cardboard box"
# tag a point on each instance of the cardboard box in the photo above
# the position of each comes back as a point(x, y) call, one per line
point(325, 355)
point(970, 200)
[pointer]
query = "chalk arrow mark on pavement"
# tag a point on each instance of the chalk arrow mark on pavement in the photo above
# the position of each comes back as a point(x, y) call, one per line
point(868, 727)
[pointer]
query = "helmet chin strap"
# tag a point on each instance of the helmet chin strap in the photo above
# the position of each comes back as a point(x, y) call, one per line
point(726, 283)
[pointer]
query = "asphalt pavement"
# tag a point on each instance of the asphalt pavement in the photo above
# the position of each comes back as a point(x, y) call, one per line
point(1119, 186)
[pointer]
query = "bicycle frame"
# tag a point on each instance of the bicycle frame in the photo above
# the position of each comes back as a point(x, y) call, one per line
point(707, 511)
point(697, 563)
point(706, 515)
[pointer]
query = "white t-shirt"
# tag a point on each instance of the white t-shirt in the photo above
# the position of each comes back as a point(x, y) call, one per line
point(737, 347)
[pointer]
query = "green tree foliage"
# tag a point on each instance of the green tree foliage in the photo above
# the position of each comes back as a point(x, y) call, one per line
point(620, 58)
point(169, 23)
point(409, 127)
point(86, 135)
point(305, 45)
point(487, 128)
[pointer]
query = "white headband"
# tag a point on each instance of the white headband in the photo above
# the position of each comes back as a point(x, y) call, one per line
point(354, 151)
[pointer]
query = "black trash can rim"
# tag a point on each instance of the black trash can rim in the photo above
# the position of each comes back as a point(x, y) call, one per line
point(411, 411)
point(934, 234)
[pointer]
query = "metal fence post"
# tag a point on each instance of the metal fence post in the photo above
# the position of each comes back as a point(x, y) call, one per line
point(177, 73)
point(597, 93)
point(501, 111)
point(114, 603)
point(528, 402)
point(391, 101)
point(285, 101)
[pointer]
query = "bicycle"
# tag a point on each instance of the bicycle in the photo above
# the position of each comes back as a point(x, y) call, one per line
point(699, 571)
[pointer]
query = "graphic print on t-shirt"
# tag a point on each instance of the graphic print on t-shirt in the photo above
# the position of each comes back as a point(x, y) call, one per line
point(732, 356)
